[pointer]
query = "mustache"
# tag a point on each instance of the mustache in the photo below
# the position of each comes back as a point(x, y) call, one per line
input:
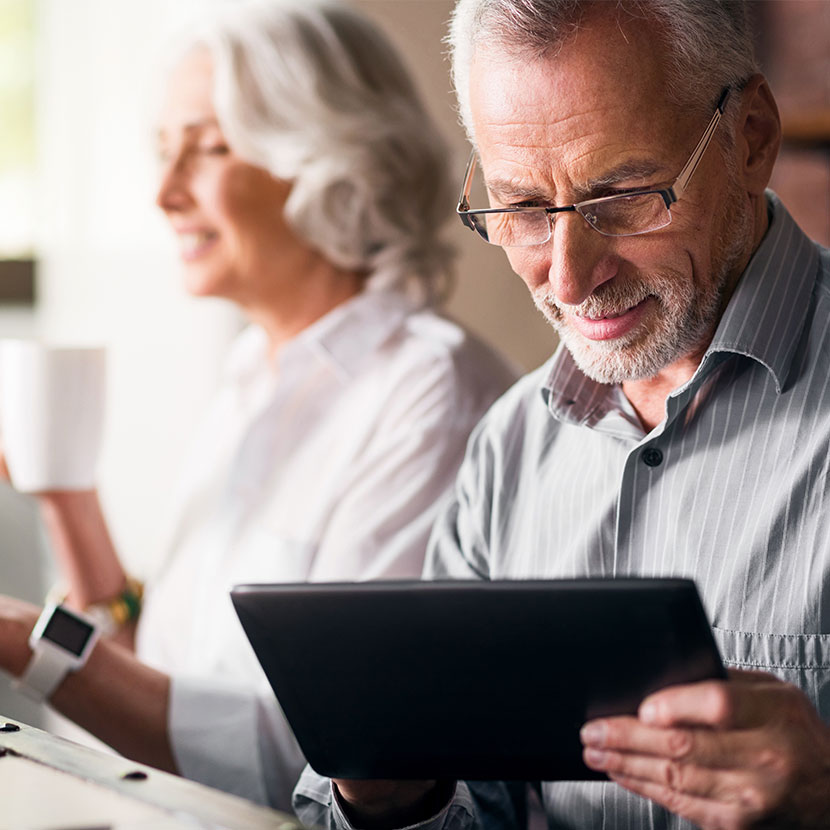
point(606, 300)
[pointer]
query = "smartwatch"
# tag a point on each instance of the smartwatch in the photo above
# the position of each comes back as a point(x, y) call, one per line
point(61, 642)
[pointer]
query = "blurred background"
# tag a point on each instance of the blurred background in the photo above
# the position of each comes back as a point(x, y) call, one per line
point(85, 257)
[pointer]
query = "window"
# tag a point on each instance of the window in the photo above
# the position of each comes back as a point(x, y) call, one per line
point(17, 151)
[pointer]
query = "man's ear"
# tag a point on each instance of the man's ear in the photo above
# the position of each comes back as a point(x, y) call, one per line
point(757, 134)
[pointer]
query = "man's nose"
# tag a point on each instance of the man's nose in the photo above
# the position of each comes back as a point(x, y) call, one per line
point(580, 259)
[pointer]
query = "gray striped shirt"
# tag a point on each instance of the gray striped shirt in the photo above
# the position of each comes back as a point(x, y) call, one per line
point(731, 489)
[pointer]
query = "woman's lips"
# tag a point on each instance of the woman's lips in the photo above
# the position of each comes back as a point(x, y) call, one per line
point(194, 244)
point(610, 328)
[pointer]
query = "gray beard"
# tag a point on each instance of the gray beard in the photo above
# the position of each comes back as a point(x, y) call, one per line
point(686, 315)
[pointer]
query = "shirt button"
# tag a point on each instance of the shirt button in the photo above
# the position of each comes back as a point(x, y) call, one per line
point(652, 457)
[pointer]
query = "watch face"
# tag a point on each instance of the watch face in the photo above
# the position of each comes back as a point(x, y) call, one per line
point(67, 631)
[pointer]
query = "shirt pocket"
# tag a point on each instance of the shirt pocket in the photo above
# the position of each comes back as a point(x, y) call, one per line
point(800, 659)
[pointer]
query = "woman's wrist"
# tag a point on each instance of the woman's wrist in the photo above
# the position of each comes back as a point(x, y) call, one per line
point(81, 541)
point(112, 614)
point(63, 500)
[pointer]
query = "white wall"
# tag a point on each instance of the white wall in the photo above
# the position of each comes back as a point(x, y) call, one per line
point(107, 274)
point(108, 270)
point(489, 297)
point(22, 574)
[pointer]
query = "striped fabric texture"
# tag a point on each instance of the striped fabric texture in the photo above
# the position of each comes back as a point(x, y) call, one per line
point(731, 489)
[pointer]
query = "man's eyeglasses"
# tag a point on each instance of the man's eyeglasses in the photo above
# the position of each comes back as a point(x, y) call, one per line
point(628, 214)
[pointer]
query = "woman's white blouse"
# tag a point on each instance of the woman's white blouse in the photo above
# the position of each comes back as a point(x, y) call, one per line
point(328, 464)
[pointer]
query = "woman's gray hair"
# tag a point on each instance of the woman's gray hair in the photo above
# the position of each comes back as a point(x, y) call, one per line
point(313, 92)
point(709, 43)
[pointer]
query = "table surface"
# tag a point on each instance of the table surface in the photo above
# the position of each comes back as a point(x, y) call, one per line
point(49, 783)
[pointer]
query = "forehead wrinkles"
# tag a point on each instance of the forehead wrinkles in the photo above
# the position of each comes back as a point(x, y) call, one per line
point(544, 164)
point(603, 89)
point(534, 147)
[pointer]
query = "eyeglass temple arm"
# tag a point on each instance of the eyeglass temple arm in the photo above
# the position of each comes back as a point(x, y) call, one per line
point(688, 171)
point(463, 203)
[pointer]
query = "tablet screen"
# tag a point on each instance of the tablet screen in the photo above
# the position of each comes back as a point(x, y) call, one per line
point(475, 680)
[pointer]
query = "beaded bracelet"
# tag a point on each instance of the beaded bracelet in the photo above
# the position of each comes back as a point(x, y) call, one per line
point(126, 607)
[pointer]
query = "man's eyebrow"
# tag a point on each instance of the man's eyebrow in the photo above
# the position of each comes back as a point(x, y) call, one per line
point(507, 189)
point(627, 171)
point(638, 169)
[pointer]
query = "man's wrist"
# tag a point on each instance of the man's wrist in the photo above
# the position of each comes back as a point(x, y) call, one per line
point(385, 805)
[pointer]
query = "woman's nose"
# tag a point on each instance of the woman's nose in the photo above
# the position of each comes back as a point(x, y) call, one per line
point(173, 191)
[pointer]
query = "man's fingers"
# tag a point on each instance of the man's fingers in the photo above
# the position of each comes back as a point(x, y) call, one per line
point(630, 735)
point(684, 776)
point(741, 703)
point(703, 812)
point(711, 703)
point(720, 753)
point(381, 795)
point(704, 747)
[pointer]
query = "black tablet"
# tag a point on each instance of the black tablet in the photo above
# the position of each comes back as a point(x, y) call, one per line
point(469, 680)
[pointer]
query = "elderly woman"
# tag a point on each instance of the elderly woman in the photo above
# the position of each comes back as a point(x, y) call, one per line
point(305, 184)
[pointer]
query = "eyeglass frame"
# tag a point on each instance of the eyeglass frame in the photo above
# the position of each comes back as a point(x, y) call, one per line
point(670, 194)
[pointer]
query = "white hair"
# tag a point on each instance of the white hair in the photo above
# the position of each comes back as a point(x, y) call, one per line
point(313, 92)
point(708, 43)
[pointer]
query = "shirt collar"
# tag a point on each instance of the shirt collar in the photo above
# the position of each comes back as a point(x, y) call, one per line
point(766, 315)
point(763, 321)
point(342, 339)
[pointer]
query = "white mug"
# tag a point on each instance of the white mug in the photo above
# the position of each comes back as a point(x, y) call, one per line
point(51, 414)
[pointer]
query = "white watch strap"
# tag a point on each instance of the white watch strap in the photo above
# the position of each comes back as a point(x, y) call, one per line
point(43, 675)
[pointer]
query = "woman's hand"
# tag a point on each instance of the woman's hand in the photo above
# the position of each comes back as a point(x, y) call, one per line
point(4, 470)
point(17, 619)
point(114, 696)
point(82, 544)
point(89, 565)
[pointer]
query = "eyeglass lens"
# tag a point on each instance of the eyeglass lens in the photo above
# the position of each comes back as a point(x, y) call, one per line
point(627, 215)
point(618, 216)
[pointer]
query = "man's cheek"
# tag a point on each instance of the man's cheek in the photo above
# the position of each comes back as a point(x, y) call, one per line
point(532, 265)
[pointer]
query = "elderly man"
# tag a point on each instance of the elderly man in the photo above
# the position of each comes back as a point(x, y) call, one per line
point(682, 429)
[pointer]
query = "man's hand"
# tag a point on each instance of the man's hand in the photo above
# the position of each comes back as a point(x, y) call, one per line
point(747, 752)
point(389, 804)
